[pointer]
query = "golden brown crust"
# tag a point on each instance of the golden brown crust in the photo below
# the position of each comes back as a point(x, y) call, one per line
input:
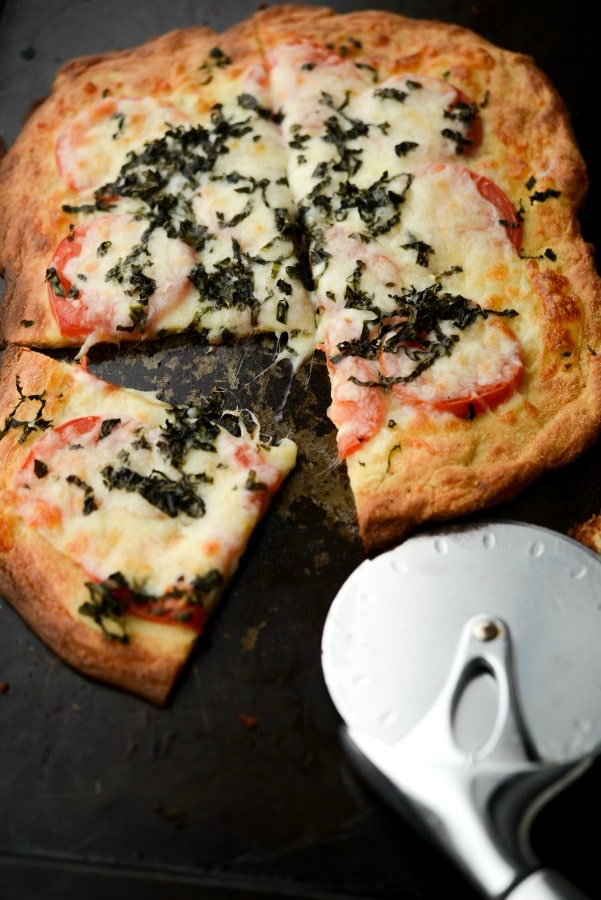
point(45, 586)
point(588, 533)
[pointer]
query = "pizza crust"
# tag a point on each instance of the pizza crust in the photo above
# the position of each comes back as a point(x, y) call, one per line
point(35, 579)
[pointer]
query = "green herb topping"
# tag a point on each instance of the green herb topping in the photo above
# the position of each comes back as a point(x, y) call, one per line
point(35, 420)
point(114, 598)
point(414, 328)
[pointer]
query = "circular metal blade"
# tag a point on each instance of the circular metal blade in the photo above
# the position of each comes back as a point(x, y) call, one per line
point(394, 626)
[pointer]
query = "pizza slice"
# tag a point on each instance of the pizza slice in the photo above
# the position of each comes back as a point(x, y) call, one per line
point(123, 517)
point(148, 195)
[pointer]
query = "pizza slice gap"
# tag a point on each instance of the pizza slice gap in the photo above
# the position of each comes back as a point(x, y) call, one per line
point(157, 204)
point(123, 518)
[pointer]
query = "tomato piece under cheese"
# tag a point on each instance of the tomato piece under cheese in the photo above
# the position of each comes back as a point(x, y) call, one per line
point(91, 147)
point(357, 410)
point(341, 126)
point(483, 370)
point(113, 275)
point(508, 216)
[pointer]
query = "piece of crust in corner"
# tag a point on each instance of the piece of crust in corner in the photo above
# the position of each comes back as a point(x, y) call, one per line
point(588, 533)
point(122, 518)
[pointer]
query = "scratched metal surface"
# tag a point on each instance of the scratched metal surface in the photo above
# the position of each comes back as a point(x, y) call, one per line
point(102, 795)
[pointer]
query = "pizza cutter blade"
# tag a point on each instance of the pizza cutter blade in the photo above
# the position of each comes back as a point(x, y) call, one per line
point(465, 665)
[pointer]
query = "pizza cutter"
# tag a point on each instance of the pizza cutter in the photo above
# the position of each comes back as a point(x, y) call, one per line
point(466, 666)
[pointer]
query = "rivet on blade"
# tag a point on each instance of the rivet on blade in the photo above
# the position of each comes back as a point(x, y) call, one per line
point(486, 630)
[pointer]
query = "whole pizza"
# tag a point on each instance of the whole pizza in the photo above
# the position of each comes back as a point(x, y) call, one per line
point(395, 197)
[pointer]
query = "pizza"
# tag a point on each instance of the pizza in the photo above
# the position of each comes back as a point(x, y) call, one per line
point(393, 198)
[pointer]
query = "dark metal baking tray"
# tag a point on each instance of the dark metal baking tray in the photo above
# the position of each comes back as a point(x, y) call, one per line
point(101, 794)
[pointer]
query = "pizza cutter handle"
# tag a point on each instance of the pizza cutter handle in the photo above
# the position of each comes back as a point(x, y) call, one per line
point(545, 885)
point(474, 802)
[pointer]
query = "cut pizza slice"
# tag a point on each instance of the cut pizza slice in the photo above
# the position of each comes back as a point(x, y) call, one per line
point(152, 205)
point(448, 354)
point(123, 518)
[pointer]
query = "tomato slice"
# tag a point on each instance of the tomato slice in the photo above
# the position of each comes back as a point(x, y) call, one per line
point(90, 301)
point(76, 317)
point(73, 431)
point(499, 199)
point(171, 609)
point(473, 379)
point(357, 411)
point(479, 400)
point(263, 478)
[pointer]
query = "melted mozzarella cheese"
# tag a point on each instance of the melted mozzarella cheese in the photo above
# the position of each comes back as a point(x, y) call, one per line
point(117, 265)
point(91, 147)
point(84, 503)
point(340, 125)
point(488, 358)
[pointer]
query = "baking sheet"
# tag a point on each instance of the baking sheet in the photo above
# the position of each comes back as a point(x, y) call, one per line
point(103, 795)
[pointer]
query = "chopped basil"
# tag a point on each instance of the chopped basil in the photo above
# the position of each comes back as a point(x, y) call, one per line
point(459, 140)
point(217, 59)
point(405, 147)
point(247, 101)
point(252, 484)
point(56, 285)
point(230, 284)
point(282, 311)
point(391, 93)
point(107, 426)
point(105, 608)
point(120, 119)
point(34, 422)
point(40, 468)
point(414, 328)
point(170, 496)
point(541, 196)
point(89, 503)
point(422, 250)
